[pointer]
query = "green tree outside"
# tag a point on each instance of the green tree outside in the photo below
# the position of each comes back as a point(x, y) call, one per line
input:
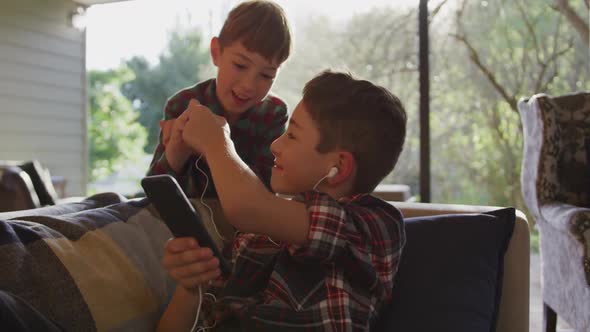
point(484, 57)
point(184, 62)
point(115, 136)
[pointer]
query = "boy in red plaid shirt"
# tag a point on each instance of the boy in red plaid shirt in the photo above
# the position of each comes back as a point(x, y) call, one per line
point(248, 61)
point(322, 261)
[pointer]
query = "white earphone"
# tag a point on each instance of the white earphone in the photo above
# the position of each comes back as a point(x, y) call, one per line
point(333, 171)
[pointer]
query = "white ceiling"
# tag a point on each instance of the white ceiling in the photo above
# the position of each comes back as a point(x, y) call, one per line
point(95, 2)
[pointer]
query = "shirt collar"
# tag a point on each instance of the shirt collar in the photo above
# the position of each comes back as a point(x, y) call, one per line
point(212, 100)
point(348, 199)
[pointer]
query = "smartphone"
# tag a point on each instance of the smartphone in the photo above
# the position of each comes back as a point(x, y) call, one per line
point(179, 214)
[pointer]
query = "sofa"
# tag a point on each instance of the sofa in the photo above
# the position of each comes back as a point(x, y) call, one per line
point(95, 265)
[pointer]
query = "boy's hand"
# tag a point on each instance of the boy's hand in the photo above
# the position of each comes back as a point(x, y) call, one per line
point(189, 264)
point(166, 128)
point(177, 152)
point(203, 128)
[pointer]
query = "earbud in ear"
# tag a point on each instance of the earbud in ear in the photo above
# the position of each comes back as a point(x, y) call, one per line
point(333, 171)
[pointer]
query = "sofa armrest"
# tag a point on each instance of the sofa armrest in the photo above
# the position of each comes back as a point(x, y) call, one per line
point(393, 192)
point(574, 223)
point(514, 305)
point(415, 209)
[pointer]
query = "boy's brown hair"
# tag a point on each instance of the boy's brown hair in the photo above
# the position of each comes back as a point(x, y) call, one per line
point(360, 117)
point(261, 26)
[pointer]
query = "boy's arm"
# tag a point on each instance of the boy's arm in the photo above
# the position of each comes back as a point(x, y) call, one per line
point(163, 162)
point(180, 313)
point(246, 202)
point(275, 123)
point(171, 150)
point(249, 205)
point(159, 163)
point(192, 267)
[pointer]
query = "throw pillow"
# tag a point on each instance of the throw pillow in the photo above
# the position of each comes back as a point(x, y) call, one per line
point(450, 274)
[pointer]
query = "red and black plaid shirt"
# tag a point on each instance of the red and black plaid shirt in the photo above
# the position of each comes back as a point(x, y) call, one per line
point(337, 281)
point(252, 135)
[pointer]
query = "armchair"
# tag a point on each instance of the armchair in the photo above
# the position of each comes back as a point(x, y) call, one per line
point(556, 188)
point(16, 190)
point(28, 185)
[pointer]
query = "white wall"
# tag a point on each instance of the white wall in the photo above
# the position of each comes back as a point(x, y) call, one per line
point(43, 88)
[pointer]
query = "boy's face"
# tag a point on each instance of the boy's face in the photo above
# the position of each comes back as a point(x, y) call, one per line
point(298, 165)
point(243, 77)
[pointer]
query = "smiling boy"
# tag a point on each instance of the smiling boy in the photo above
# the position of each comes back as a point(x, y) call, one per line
point(253, 43)
point(338, 247)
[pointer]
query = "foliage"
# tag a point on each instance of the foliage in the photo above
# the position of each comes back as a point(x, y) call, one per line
point(477, 137)
point(383, 53)
point(114, 135)
point(484, 57)
point(182, 64)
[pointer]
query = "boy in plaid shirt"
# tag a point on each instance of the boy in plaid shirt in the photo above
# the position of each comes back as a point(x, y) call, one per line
point(248, 62)
point(322, 261)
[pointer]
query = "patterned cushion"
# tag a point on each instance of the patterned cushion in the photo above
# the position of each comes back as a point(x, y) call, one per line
point(93, 265)
point(96, 269)
point(562, 173)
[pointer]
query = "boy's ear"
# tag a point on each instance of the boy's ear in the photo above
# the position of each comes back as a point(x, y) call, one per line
point(346, 167)
point(215, 50)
